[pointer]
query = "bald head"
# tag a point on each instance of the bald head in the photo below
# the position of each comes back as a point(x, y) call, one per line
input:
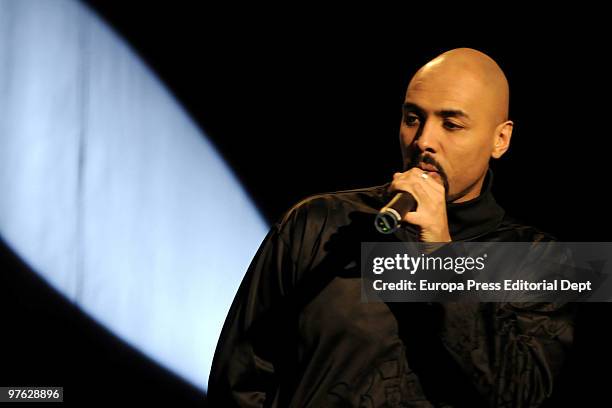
point(469, 75)
point(455, 116)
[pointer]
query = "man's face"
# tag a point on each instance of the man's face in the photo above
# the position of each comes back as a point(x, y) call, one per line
point(447, 125)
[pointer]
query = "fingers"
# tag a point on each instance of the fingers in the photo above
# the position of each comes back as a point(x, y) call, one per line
point(424, 189)
point(430, 195)
point(416, 174)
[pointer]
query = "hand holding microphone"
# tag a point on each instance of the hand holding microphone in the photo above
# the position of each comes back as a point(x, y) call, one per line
point(389, 217)
point(420, 200)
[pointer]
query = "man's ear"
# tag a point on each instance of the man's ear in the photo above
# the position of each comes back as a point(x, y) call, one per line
point(503, 134)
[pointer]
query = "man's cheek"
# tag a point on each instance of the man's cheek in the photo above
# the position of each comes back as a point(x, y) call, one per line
point(407, 136)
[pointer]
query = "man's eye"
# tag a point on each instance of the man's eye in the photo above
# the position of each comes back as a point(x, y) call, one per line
point(452, 126)
point(411, 120)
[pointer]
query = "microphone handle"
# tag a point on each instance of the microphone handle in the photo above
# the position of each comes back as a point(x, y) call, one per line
point(388, 218)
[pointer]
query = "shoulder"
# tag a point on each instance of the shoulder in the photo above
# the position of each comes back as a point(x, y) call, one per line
point(518, 230)
point(315, 224)
point(335, 206)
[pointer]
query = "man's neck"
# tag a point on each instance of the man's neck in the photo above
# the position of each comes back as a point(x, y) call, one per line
point(471, 191)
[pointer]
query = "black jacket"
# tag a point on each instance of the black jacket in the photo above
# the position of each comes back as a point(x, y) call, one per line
point(298, 334)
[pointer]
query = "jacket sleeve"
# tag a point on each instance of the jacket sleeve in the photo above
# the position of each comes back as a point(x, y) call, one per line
point(532, 344)
point(513, 351)
point(243, 370)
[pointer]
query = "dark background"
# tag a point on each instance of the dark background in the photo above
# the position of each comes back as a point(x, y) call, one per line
point(308, 100)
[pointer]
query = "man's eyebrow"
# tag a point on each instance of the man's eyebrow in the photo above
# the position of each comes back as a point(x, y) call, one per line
point(452, 113)
point(443, 113)
point(412, 107)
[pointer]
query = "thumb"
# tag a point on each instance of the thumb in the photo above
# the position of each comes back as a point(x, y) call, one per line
point(412, 217)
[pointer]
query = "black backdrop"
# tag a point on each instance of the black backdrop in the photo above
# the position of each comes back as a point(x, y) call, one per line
point(308, 100)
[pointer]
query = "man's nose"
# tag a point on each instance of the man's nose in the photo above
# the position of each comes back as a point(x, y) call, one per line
point(428, 137)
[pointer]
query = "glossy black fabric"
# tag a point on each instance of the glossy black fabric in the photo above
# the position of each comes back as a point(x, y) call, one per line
point(298, 334)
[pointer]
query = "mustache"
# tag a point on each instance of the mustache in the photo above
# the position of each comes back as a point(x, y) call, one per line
point(422, 157)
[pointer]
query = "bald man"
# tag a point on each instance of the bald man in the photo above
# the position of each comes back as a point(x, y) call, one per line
point(298, 334)
point(455, 119)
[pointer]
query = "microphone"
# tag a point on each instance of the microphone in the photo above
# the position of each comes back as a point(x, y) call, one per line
point(388, 218)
